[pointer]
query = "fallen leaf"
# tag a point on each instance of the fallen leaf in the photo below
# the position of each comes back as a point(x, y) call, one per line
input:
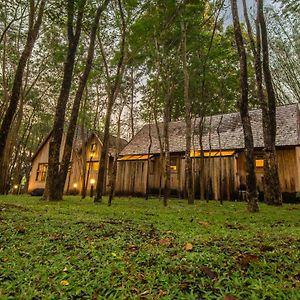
point(54, 237)
point(65, 269)
point(188, 247)
point(64, 282)
point(184, 285)
point(229, 297)
point(204, 223)
point(246, 259)
point(165, 242)
point(210, 273)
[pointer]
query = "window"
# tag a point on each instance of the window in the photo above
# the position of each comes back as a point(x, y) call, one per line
point(41, 172)
point(173, 164)
point(259, 163)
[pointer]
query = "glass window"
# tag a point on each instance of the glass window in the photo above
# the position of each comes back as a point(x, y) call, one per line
point(41, 172)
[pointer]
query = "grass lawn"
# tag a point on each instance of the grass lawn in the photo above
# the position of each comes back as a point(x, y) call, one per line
point(138, 249)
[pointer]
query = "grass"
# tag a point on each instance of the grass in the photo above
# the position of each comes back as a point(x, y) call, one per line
point(138, 249)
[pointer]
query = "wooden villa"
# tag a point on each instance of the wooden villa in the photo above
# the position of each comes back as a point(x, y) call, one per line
point(84, 162)
point(224, 158)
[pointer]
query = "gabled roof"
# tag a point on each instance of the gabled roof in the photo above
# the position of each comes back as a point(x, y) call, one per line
point(80, 136)
point(230, 130)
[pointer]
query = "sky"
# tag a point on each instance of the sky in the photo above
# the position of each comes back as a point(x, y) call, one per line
point(250, 3)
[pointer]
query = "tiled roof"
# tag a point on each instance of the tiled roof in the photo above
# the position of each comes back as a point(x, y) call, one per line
point(229, 127)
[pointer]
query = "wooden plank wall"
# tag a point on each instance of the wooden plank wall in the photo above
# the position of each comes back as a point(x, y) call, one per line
point(224, 176)
point(288, 172)
point(219, 177)
point(131, 177)
point(287, 168)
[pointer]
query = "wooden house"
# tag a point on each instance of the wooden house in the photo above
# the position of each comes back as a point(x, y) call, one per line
point(224, 158)
point(84, 162)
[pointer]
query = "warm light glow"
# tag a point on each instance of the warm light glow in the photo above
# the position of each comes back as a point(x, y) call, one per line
point(75, 185)
point(15, 186)
point(92, 181)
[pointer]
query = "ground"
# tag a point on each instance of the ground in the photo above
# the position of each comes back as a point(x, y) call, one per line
point(138, 249)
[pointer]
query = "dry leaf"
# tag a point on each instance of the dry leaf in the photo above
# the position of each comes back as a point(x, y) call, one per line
point(203, 223)
point(211, 274)
point(188, 247)
point(165, 242)
point(246, 259)
point(64, 282)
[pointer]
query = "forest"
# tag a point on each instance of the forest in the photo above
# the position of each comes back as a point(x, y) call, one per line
point(149, 149)
point(113, 66)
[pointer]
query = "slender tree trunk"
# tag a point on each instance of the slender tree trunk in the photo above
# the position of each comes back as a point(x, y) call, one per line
point(201, 173)
point(100, 190)
point(244, 112)
point(34, 27)
point(76, 105)
point(132, 103)
point(148, 160)
point(113, 91)
point(53, 184)
point(188, 122)
point(167, 173)
point(115, 163)
point(272, 185)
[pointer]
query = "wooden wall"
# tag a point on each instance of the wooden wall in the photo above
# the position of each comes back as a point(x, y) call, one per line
point(132, 177)
point(224, 176)
point(219, 177)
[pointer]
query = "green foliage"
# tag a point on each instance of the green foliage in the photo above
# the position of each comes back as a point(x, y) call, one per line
point(139, 249)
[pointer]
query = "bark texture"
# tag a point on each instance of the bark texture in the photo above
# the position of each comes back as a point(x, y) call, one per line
point(188, 122)
point(244, 112)
point(53, 183)
point(33, 31)
point(272, 189)
point(76, 105)
point(113, 91)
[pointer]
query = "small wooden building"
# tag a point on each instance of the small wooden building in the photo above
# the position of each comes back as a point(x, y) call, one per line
point(84, 162)
point(224, 158)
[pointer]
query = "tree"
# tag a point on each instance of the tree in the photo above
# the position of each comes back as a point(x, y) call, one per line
point(272, 185)
point(52, 190)
point(113, 88)
point(34, 24)
point(188, 121)
point(244, 112)
point(267, 102)
point(76, 105)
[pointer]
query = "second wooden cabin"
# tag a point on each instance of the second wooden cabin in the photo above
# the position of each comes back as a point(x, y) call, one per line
point(224, 156)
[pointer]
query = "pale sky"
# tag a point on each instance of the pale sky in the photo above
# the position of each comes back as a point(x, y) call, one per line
point(251, 6)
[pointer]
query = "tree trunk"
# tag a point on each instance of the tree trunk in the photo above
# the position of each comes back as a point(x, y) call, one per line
point(272, 189)
point(188, 122)
point(113, 91)
point(115, 163)
point(167, 172)
point(76, 105)
point(53, 183)
point(34, 27)
point(244, 112)
point(148, 160)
